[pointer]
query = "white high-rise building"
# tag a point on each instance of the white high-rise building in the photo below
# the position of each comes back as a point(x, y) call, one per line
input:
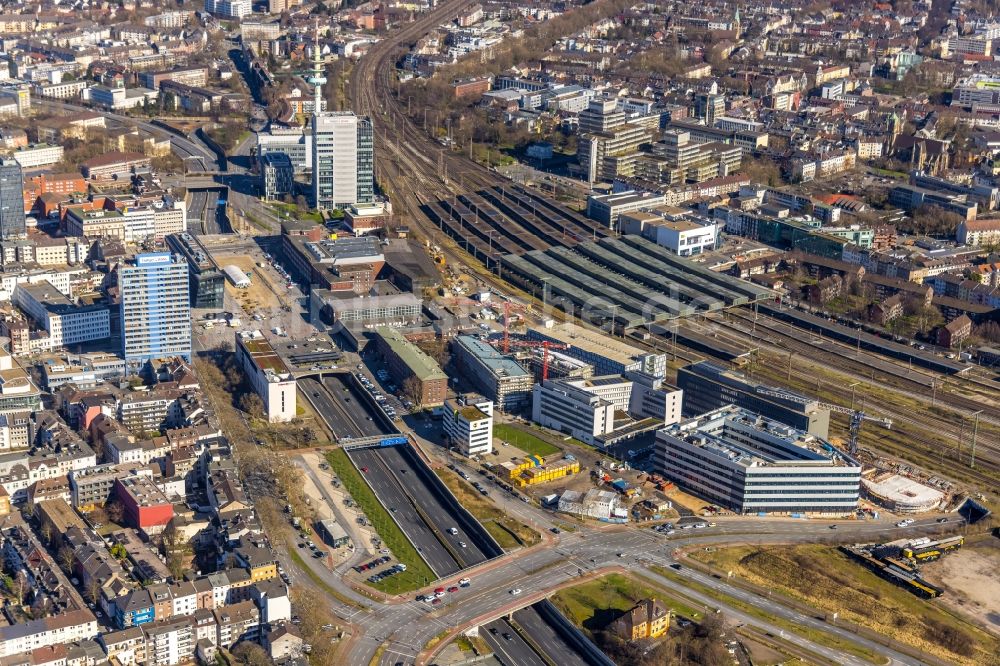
point(343, 160)
point(343, 151)
point(468, 424)
point(155, 308)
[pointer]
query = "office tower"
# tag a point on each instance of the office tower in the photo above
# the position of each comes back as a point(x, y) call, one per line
point(710, 106)
point(343, 152)
point(343, 160)
point(155, 308)
point(11, 200)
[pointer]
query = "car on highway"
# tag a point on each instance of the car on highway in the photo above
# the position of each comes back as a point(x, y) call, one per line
point(452, 530)
point(364, 469)
point(906, 522)
point(462, 544)
point(833, 527)
point(507, 636)
point(493, 630)
point(942, 520)
point(675, 566)
point(515, 591)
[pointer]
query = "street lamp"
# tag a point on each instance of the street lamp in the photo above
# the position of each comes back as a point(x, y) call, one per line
point(975, 431)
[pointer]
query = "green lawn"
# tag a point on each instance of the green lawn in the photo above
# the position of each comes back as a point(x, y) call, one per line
point(524, 440)
point(417, 573)
point(594, 604)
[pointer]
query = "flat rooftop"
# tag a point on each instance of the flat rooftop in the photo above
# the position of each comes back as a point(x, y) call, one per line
point(492, 357)
point(730, 433)
point(263, 354)
point(594, 342)
point(901, 490)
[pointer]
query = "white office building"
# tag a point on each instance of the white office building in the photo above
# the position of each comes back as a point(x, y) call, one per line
point(591, 409)
point(234, 9)
point(468, 424)
point(751, 464)
point(38, 155)
point(572, 410)
point(66, 322)
point(343, 158)
point(270, 377)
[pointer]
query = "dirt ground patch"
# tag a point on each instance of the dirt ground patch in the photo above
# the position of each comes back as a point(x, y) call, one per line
point(258, 296)
point(969, 577)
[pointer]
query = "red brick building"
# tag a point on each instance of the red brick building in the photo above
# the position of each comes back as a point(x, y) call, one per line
point(146, 507)
point(63, 184)
point(473, 88)
point(952, 333)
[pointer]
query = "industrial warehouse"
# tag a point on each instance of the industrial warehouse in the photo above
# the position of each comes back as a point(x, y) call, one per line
point(630, 281)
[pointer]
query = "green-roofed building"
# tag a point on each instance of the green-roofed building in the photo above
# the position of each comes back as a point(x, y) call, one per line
point(405, 361)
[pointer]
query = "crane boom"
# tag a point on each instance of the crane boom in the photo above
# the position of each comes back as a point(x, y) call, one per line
point(858, 416)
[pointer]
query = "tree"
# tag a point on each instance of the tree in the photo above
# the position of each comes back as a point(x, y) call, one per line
point(115, 511)
point(66, 558)
point(413, 389)
point(252, 405)
point(251, 654)
point(98, 516)
point(175, 549)
point(118, 551)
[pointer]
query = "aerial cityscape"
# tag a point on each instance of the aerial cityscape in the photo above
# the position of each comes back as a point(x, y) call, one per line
point(499, 333)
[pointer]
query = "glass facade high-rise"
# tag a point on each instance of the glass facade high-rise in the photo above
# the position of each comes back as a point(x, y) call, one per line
point(12, 223)
point(155, 308)
point(343, 160)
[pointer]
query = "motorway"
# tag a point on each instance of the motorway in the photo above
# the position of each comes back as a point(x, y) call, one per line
point(545, 637)
point(508, 645)
point(399, 487)
point(345, 410)
point(187, 149)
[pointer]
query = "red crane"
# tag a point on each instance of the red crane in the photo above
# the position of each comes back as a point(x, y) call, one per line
point(545, 346)
point(507, 307)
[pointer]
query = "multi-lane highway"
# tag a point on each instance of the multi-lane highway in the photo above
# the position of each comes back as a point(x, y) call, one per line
point(346, 412)
point(508, 646)
point(546, 638)
point(419, 511)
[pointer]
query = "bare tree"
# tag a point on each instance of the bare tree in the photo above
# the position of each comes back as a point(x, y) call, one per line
point(115, 511)
point(66, 558)
point(251, 654)
point(413, 389)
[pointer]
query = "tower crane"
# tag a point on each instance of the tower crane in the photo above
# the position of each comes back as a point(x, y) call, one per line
point(544, 345)
point(858, 416)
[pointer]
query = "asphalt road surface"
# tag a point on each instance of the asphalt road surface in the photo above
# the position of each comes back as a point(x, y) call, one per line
point(546, 638)
point(386, 483)
point(430, 503)
point(334, 410)
point(513, 652)
point(360, 409)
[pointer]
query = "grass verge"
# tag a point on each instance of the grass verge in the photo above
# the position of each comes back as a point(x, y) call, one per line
point(418, 573)
point(524, 440)
point(823, 577)
point(596, 603)
point(507, 531)
point(814, 635)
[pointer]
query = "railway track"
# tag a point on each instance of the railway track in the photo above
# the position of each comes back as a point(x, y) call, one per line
point(956, 437)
